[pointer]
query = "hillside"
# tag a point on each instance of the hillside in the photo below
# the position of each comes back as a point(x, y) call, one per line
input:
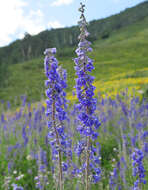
point(120, 52)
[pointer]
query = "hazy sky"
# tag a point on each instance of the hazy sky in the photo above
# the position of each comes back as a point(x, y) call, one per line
point(33, 16)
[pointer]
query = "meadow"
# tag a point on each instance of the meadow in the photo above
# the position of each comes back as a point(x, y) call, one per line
point(26, 157)
point(120, 62)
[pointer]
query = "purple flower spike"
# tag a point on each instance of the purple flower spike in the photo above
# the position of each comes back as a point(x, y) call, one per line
point(88, 122)
point(16, 187)
point(56, 106)
point(138, 168)
point(50, 51)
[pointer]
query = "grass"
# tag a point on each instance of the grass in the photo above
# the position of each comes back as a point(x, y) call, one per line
point(115, 124)
point(120, 61)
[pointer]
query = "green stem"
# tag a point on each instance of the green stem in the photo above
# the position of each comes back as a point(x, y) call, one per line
point(59, 150)
point(87, 163)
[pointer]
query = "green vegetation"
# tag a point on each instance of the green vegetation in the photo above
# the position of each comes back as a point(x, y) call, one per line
point(120, 54)
point(120, 46)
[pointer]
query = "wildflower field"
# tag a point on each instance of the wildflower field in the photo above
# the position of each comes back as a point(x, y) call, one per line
point(89, 131)
point(26, 157)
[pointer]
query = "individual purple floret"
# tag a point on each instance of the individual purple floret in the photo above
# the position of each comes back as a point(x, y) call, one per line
point(138, 169)
point(113, 179)
point(56, 105)
point(16, 187)
point(88, 122)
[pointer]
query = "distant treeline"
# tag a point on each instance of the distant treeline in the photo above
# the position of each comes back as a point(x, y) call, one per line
point(34, 46)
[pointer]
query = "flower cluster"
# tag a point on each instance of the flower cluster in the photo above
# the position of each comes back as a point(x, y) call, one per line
point(56, 105)
point(16, 187)
point(138, 168)
point(88, 122)
point(113, 179)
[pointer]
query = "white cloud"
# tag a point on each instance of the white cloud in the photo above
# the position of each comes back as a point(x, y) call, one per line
point(33, 23)
point(54, 24)
point(13, 20)
point(61, 2)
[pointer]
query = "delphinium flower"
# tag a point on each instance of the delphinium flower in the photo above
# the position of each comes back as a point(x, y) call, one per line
point(144, 139)
point(16, 187)
point(8, 105)
point(88, 122)
point(42, 178)
point(23, 100)
point(56, 106)
point(138, 169)
point(123, 168)
point(113, 179)
point(3, 118)
point(24, 135)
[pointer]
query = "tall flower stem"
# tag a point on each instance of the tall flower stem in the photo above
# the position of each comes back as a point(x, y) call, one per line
point(87, 163)
point(59, 148)
point(88, 123)
point(56, 106)
point(138, 168)
point(88, 140)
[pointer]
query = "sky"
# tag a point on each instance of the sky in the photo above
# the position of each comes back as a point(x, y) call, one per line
point(33, 16)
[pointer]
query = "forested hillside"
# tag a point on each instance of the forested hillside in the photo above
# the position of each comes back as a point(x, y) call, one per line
point(33, 46)
point(119, 39)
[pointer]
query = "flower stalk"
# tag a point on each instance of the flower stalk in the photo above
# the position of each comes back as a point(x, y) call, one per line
point(88, 122)
point(58, 143)
point(138, 169)
point(56, 105)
